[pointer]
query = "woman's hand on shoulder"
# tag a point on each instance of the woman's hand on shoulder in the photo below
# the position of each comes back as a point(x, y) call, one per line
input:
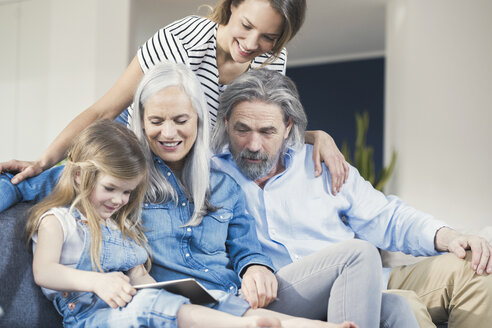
point(114, 288)
point(326, 150)
point(24, 169)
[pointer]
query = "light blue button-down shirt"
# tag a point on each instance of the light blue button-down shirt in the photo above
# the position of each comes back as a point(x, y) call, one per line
point(297, 214)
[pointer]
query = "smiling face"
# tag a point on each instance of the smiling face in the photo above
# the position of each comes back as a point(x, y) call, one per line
point(253, 29)
point(170, 123)
point(111, 193)
point(256, 133)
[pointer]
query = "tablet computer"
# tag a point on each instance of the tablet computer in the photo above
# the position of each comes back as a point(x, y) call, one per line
point(189, 288)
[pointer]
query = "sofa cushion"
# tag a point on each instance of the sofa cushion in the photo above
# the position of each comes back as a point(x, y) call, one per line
point(22, 301)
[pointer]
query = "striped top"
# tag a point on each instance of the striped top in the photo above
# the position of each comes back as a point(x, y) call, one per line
point(192, 41)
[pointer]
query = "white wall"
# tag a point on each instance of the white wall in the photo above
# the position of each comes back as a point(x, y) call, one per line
point(58, 57)
point(439, 107)
point(148, 16)
point(9, 34)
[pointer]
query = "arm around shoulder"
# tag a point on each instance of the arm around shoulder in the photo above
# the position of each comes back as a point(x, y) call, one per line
point(326, 150)
point(10, 192)
point(33, 189)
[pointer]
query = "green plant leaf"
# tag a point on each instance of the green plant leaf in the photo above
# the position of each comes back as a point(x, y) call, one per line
point(363, 156)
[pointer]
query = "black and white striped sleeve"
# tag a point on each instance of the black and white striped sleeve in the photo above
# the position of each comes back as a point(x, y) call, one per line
point(165, 44)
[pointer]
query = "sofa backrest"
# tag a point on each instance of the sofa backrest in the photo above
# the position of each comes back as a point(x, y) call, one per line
point(22, 301)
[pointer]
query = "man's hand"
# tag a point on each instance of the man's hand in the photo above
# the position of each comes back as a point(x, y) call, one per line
point(454, 242)
point(259, 286)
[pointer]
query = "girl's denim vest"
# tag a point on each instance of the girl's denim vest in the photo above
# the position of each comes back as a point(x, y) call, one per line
point(117, 254)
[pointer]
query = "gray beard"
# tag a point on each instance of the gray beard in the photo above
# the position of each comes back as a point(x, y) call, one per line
point(255, 171)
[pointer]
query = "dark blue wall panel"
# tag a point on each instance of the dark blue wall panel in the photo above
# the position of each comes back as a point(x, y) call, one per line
point(333, 93)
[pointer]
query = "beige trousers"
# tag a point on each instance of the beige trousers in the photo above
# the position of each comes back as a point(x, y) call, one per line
point(445, 288)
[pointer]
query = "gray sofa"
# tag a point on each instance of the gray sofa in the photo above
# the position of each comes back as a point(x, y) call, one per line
point(21, 299)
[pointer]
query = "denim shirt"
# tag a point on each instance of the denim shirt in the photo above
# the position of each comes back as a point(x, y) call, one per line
point(215, 252)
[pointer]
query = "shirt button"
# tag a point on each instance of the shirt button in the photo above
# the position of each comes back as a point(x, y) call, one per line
point(206, 270)
point(221, 217)
point(71, 306)
point(231, 288)
point(183, 204)
point(168, 174)
point(65, 294)
point(187, 254)
point(189, 229)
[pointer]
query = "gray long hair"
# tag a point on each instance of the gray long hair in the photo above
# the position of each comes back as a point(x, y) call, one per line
point(195, 176)
point(267, 86)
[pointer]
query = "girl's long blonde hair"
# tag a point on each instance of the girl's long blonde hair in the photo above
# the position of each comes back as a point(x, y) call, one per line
point(109, 148)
